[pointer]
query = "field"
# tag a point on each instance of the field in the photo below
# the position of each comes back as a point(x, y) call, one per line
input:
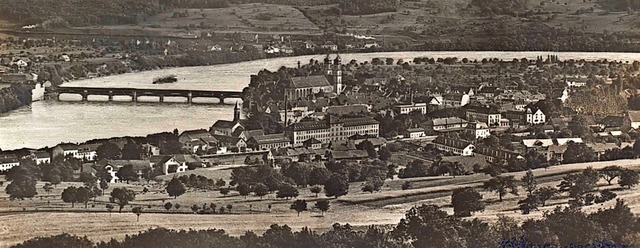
point(359, 209)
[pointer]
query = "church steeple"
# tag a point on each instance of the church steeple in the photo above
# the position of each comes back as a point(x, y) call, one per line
point(236, 113)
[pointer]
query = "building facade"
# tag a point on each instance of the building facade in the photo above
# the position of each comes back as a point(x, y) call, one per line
point(332, 129)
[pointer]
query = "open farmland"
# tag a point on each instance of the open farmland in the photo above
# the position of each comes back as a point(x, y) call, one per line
point(386, 207)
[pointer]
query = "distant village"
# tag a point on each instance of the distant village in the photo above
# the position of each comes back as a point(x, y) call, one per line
point(321, 116)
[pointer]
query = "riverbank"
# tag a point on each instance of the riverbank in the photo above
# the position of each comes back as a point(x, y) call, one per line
point(14, 96)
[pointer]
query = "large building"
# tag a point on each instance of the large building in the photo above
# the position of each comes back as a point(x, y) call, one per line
point(224, 127)
point(331, 81)
point(332, 129)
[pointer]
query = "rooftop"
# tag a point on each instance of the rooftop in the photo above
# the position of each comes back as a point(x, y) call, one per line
point(309, 82)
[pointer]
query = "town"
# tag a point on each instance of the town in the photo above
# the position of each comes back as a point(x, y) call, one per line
point(362, 132)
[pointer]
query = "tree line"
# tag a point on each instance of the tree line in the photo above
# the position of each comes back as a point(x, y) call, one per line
point(422, 226)
point(15, 96)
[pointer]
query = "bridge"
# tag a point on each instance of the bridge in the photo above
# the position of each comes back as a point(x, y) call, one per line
point(134, 93)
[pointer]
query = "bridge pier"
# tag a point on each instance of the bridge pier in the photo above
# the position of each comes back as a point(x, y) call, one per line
point(110, 96)
point(190, 98)
point(221, 100)
point(85, 97)
point(161, 98)
point(134, 97)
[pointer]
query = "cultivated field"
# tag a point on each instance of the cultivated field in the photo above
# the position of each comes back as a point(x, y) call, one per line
point(50, 215)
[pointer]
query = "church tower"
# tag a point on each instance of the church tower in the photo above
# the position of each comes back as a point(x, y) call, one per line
point(337, 75)
point(236, 113)
point(328, 66)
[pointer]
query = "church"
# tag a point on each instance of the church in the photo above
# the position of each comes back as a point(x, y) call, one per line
point(331, 81)
point(228, 128)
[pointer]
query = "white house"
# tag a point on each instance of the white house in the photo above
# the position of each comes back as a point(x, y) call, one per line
point(408, 108)
point(7, 162)
point(488, 115)
point(42, 157)
point(632, 119)
point(414, 133)
point(112, 167)
point(169, 164)
point(66, 150)
point(576, 81)
point(534, 116)
point(479, 130)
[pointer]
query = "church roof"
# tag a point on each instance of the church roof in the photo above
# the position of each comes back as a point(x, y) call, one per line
point(309, 82)
point(224, 124)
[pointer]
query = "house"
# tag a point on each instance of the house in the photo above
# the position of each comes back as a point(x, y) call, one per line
point(310, 45)
point(168, 164)
point(268, 142)
point(313, 144)
point(414, 133)
point(66, 150)
point(42, 157)
point(231, 143)
point(330, 46)
point(600, 148)
point(488, 115)
point(8, 161)
point(332, 128)
point(408, 108)
point(575, 81)
point(463, 90)
point(88, 152)
point(455, 146)
point(632, 119)
point(65, 58)
point(611, 123)
point(479, 130)
point(488, 91)
point(456, 100)
point(112, 167)
point(493, 153)
point(197, 140)
point(247, 134)
point(534, 115)
point(446, 124)
point(224, 127)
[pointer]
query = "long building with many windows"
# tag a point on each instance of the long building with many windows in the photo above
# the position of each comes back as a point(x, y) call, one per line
point(332, 129)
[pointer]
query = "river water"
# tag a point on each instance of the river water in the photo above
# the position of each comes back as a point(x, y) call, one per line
point(47, 123)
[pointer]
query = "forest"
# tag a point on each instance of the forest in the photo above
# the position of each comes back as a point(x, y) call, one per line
point(14, 96)
point(423, 226)
point(367, 7)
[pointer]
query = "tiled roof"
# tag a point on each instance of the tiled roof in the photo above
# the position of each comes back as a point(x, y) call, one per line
point(310, 125)
point(530, 143)
point(68, 146)
point(224, 124)
point(351, 154)
point(251, 133)
point(41, 154)
point(483, 110)
point(414, 130)
point(271, 138)
point(447, 121)
point(308, 82)
point(351, 122)
point(227, 139)
point(450, 142)
point(634, 116)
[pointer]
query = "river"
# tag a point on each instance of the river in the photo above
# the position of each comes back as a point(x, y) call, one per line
point(47, 123)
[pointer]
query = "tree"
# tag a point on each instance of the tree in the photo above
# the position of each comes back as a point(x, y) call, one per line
point(229, 207)
point(545, 193)
point(502, 185)
point(299, 206)
point(529, 204)
point(89, 180)
point(578, 153)
point(127, 173)
point(168, 206)
point(529, 182)
point(628, 178)
point(221, 183)
point(225, 191)
point(287, 191)
point(368, 146)
point(260, 190)
point(384, 154)
point(243, 189)
point(61, 240)
point(466, 201)
point(69, 195)
point(83, 195)
point(122, 197)
point(175, 188)
point(137, 211)
point(316, 190)
point(131, 150)
point(177, 206)
point(610, 173)
point(336, 186)
point(318, 176)
point(104, 185)
point(372, 184)
point(47, 187)
point(109, 208)
point(108, 150)
point(323, 206)
point(429, 226)
point(23, 181)
point(195, 208)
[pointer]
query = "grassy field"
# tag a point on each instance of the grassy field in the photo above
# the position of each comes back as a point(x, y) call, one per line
point(357, 208)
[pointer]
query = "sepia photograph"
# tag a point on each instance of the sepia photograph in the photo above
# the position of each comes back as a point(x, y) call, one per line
point(319, 123)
